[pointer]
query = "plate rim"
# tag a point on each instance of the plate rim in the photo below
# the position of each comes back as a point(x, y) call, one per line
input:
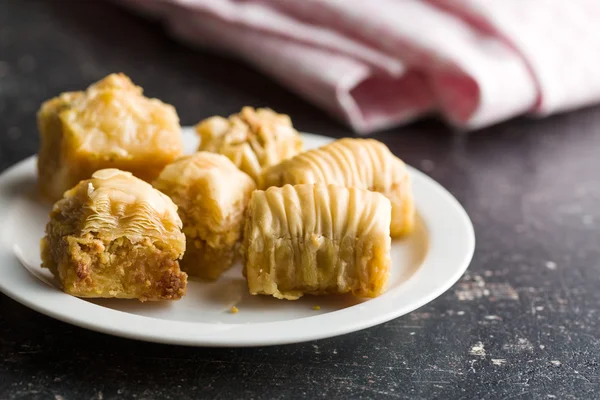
point(446, 214)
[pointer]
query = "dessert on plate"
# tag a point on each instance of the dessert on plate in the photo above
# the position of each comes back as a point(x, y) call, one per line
point(109, 125)
point(114, 235)
point(212, 195)
point(252, 139)
point(321, 223)
point(362, 163)
point(317, 239)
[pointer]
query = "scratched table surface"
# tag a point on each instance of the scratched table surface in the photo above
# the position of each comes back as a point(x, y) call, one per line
point(522, 323)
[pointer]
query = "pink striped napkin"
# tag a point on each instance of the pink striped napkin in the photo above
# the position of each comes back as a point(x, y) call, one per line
point(380, 63)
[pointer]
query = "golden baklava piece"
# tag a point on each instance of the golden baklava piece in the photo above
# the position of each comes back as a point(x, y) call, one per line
point(212, 196)
point(109, 125)
point(362, 163)
point(317, 239)
point(252, 139)
point(114, 235)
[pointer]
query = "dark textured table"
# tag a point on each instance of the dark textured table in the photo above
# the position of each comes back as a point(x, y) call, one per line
point(523, 322)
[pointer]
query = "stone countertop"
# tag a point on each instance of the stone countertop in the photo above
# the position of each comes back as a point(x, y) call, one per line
point(522, 323)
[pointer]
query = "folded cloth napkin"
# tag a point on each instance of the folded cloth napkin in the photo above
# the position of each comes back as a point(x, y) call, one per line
point(379, 63)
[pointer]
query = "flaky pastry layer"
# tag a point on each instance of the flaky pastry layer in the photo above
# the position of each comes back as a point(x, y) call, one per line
point(114, 235)
point(211, 194)
point(362, 163)
point(109, 125)
point(252, 139)
point(317, 239)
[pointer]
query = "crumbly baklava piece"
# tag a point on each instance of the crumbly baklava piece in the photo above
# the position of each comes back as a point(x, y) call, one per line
point(110, 125)
point(317, 239)
point(114, 235)
point(252, 139)
point(212, 196)
point(362, 163)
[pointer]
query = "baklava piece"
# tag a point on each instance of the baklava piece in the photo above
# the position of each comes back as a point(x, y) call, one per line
point(317, 239)
point(252, 139)
point(212, 196)
point(362, 163)
point(110, 125)
point(114, 235)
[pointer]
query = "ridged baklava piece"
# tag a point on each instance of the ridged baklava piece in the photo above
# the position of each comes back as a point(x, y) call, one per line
point(114, 235)
point(362, 163)
point(252, 139)
point(317, 239)
point(212, 196)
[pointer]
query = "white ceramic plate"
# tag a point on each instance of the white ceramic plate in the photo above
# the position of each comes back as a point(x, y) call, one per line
point(423, 267)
